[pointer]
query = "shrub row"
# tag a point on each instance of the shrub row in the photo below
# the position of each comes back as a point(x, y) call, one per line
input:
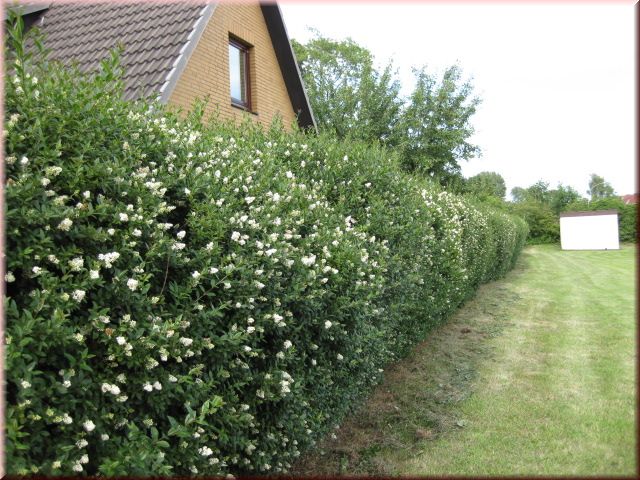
point(191, 298)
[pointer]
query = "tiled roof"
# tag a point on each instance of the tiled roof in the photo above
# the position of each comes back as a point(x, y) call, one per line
point(153, 36)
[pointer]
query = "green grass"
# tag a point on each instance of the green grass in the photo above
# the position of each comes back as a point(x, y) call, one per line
point(535, 376)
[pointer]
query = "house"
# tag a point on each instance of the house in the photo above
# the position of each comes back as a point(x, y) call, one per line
point(595, 230)
point(631, 199)
point(237, 55)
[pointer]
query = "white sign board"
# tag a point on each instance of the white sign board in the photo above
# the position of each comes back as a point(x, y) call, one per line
point(589, 230)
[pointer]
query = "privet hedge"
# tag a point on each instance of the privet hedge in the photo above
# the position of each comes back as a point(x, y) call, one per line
point(207, 299)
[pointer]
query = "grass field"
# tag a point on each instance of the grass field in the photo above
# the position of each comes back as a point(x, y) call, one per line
point(535, 376)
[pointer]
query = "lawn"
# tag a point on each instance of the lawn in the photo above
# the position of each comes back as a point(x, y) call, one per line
point(534, 376)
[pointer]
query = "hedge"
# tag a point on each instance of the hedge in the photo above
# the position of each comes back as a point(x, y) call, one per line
point(186, 297)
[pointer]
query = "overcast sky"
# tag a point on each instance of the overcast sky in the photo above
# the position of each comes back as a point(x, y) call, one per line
point(556, 80)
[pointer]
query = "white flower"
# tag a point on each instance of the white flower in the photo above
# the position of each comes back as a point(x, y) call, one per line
point(247, 348)
point(308, 261)
point(123, 217)
point(56, 465)
point(132, 284)
point(9, 277)
point(89, 425)
point(115, 390)
point(287, 344)
point(78, 295)
point(108, 258)
point(25, 384)
point(86, 194)
point(104, 437)
point(314, 362)
point(36, 270)
point(280, 355)
point(339, 357)
point(121, 340)
point(147, 387)
point(65, 225)
point(76, 264)
point(84, 458)
point(327, 324)
point(45, 181)
point(181, 234)
point(270, 252)
point(76, 467)
point(205, 451)
point(66, 383)
point(94, 274)
point(289, 174)
point(136, 232)
point(172, 379)
point(249, 200)
point(213, 270)
point(235, 236)
point(24, 160)
point(187, 191)
point(111, 231)
point(195, 275)
point(157, 385)
point(186, 341)
point(178, 246)
point(209, 246)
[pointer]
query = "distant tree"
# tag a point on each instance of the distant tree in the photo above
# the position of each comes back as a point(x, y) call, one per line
point(519, 194)
point(538, 192)
point(486, 184)
point(599, 188)
point(349, 97)
point(561, 197)
point(436, 125)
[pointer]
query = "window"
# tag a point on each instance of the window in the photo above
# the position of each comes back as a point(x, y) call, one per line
point(239, 74)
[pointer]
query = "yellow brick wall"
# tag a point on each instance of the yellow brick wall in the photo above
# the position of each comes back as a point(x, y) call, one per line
point(207, 71)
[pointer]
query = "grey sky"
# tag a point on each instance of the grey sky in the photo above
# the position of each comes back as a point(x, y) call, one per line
point(556, 80)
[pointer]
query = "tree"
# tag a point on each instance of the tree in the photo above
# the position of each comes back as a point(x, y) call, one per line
point(599, 188)
point(561, 197)
point(348, 95)
point(486, 184)
point(436, 125)
point(538, 192)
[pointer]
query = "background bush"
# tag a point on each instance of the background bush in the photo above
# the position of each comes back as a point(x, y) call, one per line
point(191, 298)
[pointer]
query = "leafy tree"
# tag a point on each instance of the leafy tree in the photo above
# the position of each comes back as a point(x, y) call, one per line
point(561, 197)
point(599, 188)
point(487, 184)
point(349, 97)
point(538, 192)
point(436, 125)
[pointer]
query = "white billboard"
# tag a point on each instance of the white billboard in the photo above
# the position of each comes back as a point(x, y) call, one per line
point(589, 230)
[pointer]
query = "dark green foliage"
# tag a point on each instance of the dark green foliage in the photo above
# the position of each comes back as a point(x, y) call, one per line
point(186, 298)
